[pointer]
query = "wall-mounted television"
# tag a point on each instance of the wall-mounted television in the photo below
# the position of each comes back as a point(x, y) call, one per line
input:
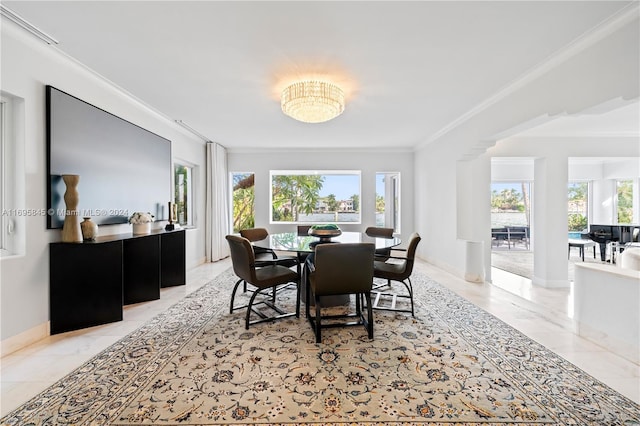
point(123, 168)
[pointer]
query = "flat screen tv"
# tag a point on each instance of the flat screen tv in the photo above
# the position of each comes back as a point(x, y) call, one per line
point(123, 168)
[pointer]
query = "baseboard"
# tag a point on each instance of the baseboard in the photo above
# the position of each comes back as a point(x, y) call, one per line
point(24, 339)
point(626, 350)
point(444, 266)
point(550, 283)
point(198, 262)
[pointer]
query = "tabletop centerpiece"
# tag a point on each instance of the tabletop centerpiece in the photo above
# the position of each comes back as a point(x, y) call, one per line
point(141, 223)
point(325, 232)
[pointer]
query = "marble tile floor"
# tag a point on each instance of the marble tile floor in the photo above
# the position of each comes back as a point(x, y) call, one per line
point(542, 314)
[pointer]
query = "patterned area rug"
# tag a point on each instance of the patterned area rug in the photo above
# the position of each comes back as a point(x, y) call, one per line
point(453, 363)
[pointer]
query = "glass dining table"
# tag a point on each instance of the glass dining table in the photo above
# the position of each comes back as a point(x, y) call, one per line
point(303, 245)
point(294, 242)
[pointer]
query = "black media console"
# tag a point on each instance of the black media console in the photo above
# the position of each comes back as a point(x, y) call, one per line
point(90, 282)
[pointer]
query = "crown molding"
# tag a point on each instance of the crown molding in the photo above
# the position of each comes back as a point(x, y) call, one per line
point(263, 150)
point(21, 33)
point(27, 26)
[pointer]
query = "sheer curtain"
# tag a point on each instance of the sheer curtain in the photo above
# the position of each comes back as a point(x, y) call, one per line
point(217, 203)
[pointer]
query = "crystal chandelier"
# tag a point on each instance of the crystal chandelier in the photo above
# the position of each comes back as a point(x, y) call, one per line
point(312, 101)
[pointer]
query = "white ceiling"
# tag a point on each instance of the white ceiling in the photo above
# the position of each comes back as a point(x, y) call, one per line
point(409, 68)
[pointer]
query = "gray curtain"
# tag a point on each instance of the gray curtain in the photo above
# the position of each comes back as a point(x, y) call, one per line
point(217, 203)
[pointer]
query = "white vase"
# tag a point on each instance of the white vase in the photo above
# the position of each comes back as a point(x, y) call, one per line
point(141, 228)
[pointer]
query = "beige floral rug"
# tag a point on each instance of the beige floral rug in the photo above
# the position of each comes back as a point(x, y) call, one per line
point(453, 363)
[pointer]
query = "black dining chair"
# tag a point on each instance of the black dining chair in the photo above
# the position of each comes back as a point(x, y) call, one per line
point(341, 269)
point(398, 268)
point(379, 232)
point(267, 277)
point(303, 229)
point(264, 256)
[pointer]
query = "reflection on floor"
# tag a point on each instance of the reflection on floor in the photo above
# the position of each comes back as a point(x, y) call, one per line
point(542, 314)
point(520, 261)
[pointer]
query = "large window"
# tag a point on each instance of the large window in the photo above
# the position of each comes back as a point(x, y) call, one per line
point(243, 190)
point(388, 200)
point(3, 178)
point(12, 177)
point(624, 193)
point(183, 182)
point(578, 206)
point(315, 196)
point(510, 204)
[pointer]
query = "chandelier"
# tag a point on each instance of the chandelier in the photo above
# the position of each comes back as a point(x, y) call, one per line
point(312, 101)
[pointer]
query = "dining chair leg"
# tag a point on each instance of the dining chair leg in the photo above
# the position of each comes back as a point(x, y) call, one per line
point(298, 298)
point(233, 293)
point(249, 306)
point(411, 296)
point(367, 296)
point(307, 296)
point(318, 321)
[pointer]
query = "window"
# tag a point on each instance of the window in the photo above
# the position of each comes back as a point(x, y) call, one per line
point(624, 196)
point(388, 200)
point(510, 204)
point(315, 196)
point(577, 206)
point(183, 183)
point(3, 178)
point(243, 190)
point(12, 178)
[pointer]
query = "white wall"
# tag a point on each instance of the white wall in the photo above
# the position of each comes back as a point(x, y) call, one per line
point(369, 162)
point(604, 71)
point(27, 66)
point(518, 170)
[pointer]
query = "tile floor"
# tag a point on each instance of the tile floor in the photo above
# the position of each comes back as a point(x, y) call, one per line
point(542, 314)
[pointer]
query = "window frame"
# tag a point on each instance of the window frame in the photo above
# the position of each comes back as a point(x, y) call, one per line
point(616, 213)
point(4, 220)
point(191, 197)
point(231, 201)
point(393, 219)
point(588, 205)
point(12, 181)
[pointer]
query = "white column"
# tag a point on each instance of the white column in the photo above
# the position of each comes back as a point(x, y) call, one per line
point(550, 264)
point(604, 193)
point(473, 216)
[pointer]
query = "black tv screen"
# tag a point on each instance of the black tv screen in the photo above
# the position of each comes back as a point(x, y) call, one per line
point(123, 168)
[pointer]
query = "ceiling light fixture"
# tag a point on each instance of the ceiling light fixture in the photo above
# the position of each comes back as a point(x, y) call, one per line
point(312, 101)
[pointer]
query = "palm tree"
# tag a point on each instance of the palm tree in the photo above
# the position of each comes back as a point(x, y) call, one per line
point(355, 200)
point(625, 201)
point(332, 203)
point(380, 203)
point(243, 201)
point(294, 194)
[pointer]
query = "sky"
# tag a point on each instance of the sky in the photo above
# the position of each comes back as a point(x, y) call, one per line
point(342, 186)
point(499, 187)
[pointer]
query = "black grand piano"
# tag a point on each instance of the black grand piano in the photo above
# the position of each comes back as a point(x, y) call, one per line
point(605, 234)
